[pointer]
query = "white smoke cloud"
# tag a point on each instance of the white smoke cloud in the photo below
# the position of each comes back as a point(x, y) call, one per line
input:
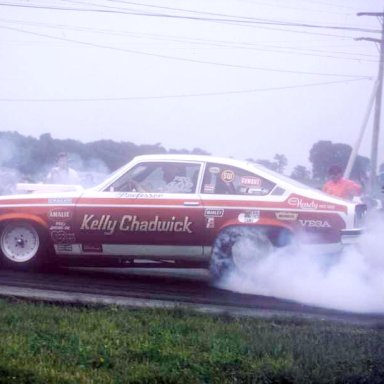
point(351, 281)
point(7, 149)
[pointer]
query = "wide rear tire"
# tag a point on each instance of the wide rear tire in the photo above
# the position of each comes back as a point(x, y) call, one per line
point(22, 245)
point(239, 249)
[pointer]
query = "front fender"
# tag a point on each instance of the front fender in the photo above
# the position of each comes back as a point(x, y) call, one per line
point(24, 217)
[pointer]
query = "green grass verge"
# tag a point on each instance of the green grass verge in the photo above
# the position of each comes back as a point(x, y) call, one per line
point(43, 343)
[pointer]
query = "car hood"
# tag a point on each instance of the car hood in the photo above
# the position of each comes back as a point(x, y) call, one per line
point(48, 197)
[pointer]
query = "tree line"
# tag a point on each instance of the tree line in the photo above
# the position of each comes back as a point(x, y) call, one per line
point(322, 156)
point(32, 157)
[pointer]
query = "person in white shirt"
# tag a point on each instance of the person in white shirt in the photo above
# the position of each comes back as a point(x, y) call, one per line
point(62, 173)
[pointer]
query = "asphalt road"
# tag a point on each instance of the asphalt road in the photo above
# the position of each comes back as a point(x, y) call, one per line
point(158, 288)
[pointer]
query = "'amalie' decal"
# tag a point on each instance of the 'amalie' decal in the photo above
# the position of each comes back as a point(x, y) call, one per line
point(59, 214)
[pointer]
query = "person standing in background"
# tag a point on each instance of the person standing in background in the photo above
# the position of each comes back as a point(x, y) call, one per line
point(339, 186)
point(62, 173)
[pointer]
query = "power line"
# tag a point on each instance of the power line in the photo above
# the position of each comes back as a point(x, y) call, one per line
point(216, 43)
point(237, 20)
point(173, 9)
point(182, 59)
point(170, 37)
point(204, 94)
point(267, 3)
point(328, 4)
point(258, 23)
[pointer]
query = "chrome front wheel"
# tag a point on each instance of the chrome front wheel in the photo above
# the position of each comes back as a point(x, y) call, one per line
point(20, 244)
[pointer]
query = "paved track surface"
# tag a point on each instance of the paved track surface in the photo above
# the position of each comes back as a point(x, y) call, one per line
point(158, 288)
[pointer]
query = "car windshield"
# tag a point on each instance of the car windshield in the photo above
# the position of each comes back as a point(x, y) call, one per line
point(108, 179)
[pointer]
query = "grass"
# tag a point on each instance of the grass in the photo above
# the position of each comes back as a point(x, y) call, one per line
point(42, 343)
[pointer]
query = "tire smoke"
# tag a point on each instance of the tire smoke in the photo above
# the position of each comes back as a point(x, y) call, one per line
point(351, 281)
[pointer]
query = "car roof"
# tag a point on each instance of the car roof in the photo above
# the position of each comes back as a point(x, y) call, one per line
point(189, 157)
point(281, 180)
point(251, 166)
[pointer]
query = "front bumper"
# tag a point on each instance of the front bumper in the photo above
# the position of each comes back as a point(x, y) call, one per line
point(350, 236)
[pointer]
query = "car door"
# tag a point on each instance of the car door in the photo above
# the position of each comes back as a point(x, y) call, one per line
point(134, 216)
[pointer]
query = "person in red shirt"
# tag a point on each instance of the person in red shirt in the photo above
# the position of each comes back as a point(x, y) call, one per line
point(338, 186)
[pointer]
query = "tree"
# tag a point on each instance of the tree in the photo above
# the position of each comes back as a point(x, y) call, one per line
point(281, 162)
point(323, 154)
point(267, 164)
point(301, 173)
point(278, 164)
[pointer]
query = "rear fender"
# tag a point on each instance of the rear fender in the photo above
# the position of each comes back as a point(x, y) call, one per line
point(279, 235)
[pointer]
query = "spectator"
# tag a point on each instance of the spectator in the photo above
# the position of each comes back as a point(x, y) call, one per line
point(339, 186)
point(62, 173)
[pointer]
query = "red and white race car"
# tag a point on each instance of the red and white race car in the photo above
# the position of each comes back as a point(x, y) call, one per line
point(174, 211)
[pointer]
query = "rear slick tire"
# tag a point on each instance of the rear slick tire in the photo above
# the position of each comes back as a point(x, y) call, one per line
point(239, 250)
point(21, 245)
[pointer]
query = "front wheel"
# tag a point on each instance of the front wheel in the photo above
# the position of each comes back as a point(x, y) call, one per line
point(239, 249)
point(21, 245)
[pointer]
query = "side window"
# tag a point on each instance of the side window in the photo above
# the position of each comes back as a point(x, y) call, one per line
point(161, 177)
point(219, 179)
point(126, 182)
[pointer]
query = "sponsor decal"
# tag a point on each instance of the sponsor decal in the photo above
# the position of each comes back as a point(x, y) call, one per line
point(210, 222)
point(62, 237)
point(127, 195)
point(250, 181)
point(92, 247)
point(286, 216)
point(227, 175)
point(327, 206)
point(208, 188)
point(250, 217)
point(309, 204)
point(58, 213)
point(60, 200)
point(147, 195)
point(315, 223)
point(257, 191)
point(132, 223)
point(140, 195)
point(215, 170)
point(214, 212)
point(59, 225)
point(303, 204)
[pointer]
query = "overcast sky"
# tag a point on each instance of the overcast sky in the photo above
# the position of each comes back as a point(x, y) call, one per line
point(240, 78)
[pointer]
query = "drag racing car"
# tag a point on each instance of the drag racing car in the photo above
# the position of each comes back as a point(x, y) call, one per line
point(174, 211)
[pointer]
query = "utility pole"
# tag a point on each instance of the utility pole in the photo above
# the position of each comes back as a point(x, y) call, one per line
point(378, 101)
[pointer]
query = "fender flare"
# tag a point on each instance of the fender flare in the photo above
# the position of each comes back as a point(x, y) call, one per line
point(24, 217)
point(279, 235)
